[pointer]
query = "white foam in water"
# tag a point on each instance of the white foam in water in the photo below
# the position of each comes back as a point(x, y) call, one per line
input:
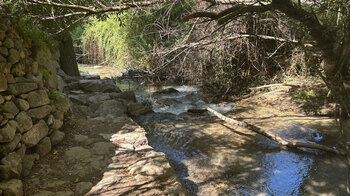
point(222, 107)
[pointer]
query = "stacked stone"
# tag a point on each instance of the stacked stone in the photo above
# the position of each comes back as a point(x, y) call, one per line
point(29, 120)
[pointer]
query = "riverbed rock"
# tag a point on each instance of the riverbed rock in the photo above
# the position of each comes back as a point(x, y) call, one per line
point(12, 187)
point(99, 97)
point(7, 133)
point(38, 98)
point(3, 82)
point(40, 112)
point(44, 147)
point(34, 135)
point(127, 95)
point(56, 137)
point(14, 161)
point(21, 88)
point(9, 107)
point(137, 109)
point(82, 188)
point(24, 122)
point(22, 104)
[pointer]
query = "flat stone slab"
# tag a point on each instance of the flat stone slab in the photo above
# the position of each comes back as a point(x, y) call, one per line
point(137, 168)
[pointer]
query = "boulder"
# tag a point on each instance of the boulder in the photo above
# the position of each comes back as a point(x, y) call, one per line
point(38, 98)
point(57, 124)
point(35, 68)
point(9, 107)
point(44, 147)
point(14, 161)
point(62, 103)
point(2, 59)
point(4, 51)
point(7, 133)
point(49, 120)
point(5, 67)
point(2, 100)
point(10, 79)
point(13, 56)
point(24, 122)
point(40, 112)
point(137, 109)
point(112, 107)
point(12, 187)
point(11, 146)
point(22, 104)
point(127, 95)
point(34, 135)
point(98, 97)
point(28, 162)
point(3, 82)
point(8, 43)
point(5, 172)
point(21, 88)
point(18, 69)
point(56, 137)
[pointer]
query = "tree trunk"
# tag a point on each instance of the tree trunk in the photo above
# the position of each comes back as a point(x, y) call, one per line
point(68, 60)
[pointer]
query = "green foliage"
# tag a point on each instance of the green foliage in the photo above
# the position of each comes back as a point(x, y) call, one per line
point(46, 74)
point(70, 120)
point(128, 38)
point(54, 94)
point(309, 94)
point(33, 35)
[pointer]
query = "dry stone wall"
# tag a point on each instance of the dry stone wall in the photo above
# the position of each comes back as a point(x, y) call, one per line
point(31, 107)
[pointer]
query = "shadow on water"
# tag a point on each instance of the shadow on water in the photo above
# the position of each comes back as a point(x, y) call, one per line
point(214, 158)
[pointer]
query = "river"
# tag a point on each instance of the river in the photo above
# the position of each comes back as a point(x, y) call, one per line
point(212, 157)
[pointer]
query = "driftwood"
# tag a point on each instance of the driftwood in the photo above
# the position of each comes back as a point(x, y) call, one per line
point(277, 139)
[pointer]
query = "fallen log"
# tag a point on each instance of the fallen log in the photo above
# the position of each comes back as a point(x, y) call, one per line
point(276, 138)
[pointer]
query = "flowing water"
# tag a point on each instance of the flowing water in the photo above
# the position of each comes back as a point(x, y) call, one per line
point(215, 158)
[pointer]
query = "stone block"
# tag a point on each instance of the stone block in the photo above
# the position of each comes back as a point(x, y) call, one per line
point(38, 98)
point(21, 88)
point(24, 122)
point(44, 147)
point(7, 133)
point(34, 135)
point(3, 82)
point(40, 112)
